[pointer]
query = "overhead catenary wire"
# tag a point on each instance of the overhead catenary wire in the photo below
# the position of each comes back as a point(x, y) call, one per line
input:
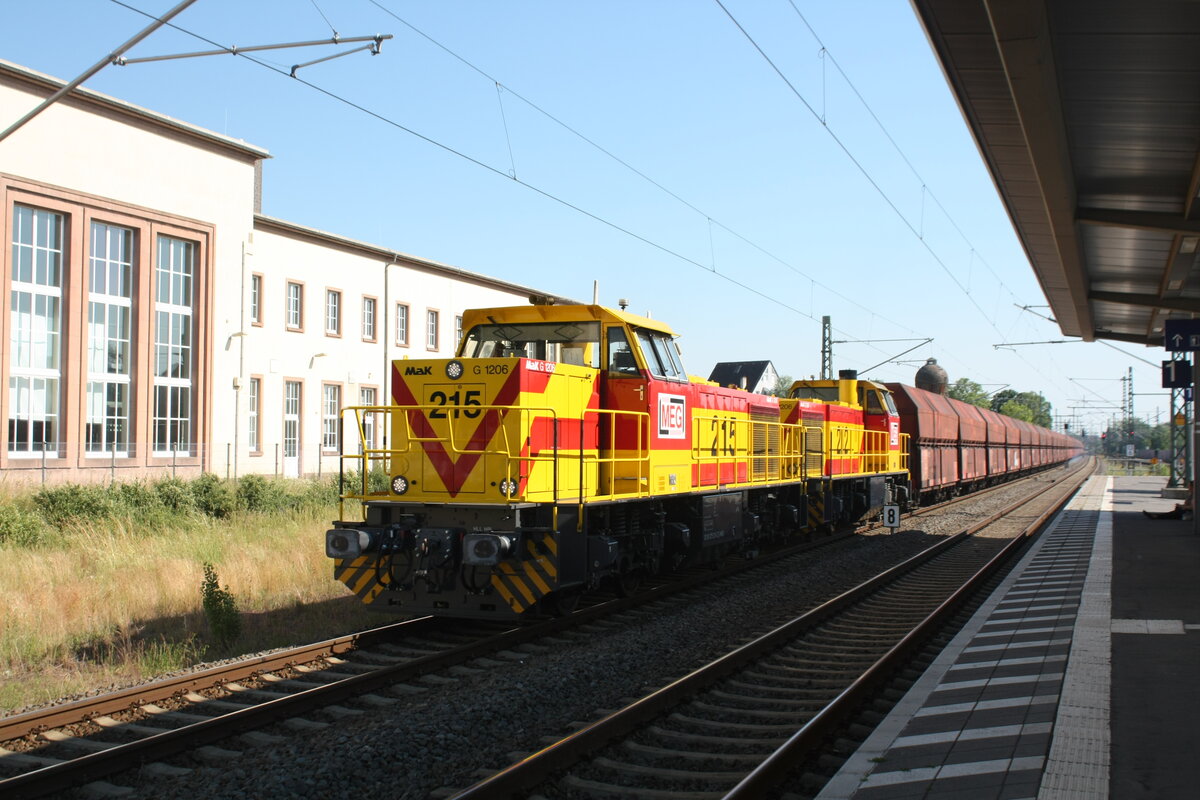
point(544, 193)
point(327, 22)
point(871, 180)
point(826, 54)
point(640, 173)
point(549, 195)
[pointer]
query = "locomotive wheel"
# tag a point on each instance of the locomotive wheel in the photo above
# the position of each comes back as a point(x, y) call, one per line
point(563, 603)
point(671, 562)
point(627, 582)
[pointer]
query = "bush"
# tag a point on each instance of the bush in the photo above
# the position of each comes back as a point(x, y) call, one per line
point(316, 494)
point(220, 608)
point(59, 505)
point(378, 481)
point(258, 494)
point(136, 499)
point(19, 527)
point(213, 496)
point(175, 494)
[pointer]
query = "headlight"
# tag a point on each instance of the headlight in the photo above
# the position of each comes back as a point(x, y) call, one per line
point(399, 484)
point(487, 549)
point(348, 542)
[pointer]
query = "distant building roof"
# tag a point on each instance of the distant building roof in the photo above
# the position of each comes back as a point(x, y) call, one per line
point(731, 373)
point(48, 84)
point(295, 230)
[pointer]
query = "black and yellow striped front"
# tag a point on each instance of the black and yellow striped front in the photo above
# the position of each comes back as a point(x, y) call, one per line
point(522, 582)
point(515, 585)
point(360, 575)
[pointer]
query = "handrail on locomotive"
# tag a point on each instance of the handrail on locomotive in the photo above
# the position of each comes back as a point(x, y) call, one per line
point(785, 460)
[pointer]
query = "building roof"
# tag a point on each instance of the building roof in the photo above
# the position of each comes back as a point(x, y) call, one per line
point(284, 228)
point(1087, 114)
point(731, 373)
point(47, 84)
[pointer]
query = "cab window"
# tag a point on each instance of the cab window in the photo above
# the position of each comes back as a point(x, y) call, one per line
point(659, 352)
point(873, 405)
point(621, 362)
point(891, 405)
point(566, 342)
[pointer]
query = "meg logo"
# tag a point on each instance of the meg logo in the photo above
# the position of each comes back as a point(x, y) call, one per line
point(672, 416)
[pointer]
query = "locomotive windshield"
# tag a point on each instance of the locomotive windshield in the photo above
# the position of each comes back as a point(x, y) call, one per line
point(825, 394)
point(661, 354)
point(565, 342)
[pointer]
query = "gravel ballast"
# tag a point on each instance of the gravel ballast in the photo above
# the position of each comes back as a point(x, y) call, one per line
point(447, 731)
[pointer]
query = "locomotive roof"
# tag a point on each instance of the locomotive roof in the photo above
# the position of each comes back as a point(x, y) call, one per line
point(563, 313)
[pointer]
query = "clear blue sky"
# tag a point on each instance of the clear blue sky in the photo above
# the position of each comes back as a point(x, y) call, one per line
point(762, 203)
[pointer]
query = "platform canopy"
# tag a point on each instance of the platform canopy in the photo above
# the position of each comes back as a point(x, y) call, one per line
point(1087, 113)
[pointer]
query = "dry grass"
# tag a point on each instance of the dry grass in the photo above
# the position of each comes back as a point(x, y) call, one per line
point(114, 605)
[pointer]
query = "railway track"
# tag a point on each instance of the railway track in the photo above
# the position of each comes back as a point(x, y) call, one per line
point(735, 727)
point(301, 689)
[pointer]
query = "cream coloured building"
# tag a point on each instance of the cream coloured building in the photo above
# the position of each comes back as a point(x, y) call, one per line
point(157, 321)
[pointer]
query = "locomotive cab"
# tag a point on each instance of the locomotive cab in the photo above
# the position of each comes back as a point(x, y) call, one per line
point(865, 455)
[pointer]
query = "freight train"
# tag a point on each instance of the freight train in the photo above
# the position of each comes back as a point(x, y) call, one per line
point(565, 446)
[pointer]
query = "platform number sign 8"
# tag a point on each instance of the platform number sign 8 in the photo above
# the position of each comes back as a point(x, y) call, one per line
point(891, 517)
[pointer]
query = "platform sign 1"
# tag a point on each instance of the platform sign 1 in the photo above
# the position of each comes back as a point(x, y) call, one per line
point(891, 517)
point(1176, 374)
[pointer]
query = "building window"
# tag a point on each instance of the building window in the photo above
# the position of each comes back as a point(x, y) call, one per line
point(457, 330)
point(431, 330)
point(255, 392)
point(366, 397)
point(295, 305)
point(291, 419)
point(109, 351)
point(256, 285)
point(173, 365)
point(333, 312)
point(331, 406)
point(368, 319)
point(401, 324)
point(35, 331)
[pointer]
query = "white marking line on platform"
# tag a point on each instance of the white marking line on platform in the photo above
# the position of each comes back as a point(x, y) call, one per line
point(1009, 681)
point(1049, 607)
point(952, 771)
point(988, 705)
point(991, 648)
point(1043, 592)
point(1024, 632)
point(1015, 624)
point(1040, 596)
point(972, 734)
point(1147, 626)
point(1008, 662)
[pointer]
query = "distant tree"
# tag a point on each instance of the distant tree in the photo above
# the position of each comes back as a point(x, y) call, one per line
point(968, 391)
point(1001, 397)
point(1160, 437)
point(1037, 409)
point(783, 384)
point(1017, 410)
point(1039, 405)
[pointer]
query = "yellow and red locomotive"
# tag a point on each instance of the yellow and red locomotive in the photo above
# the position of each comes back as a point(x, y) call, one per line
point(565, 445)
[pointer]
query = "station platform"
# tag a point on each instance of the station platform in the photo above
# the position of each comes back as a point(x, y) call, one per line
point(1078, 678)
